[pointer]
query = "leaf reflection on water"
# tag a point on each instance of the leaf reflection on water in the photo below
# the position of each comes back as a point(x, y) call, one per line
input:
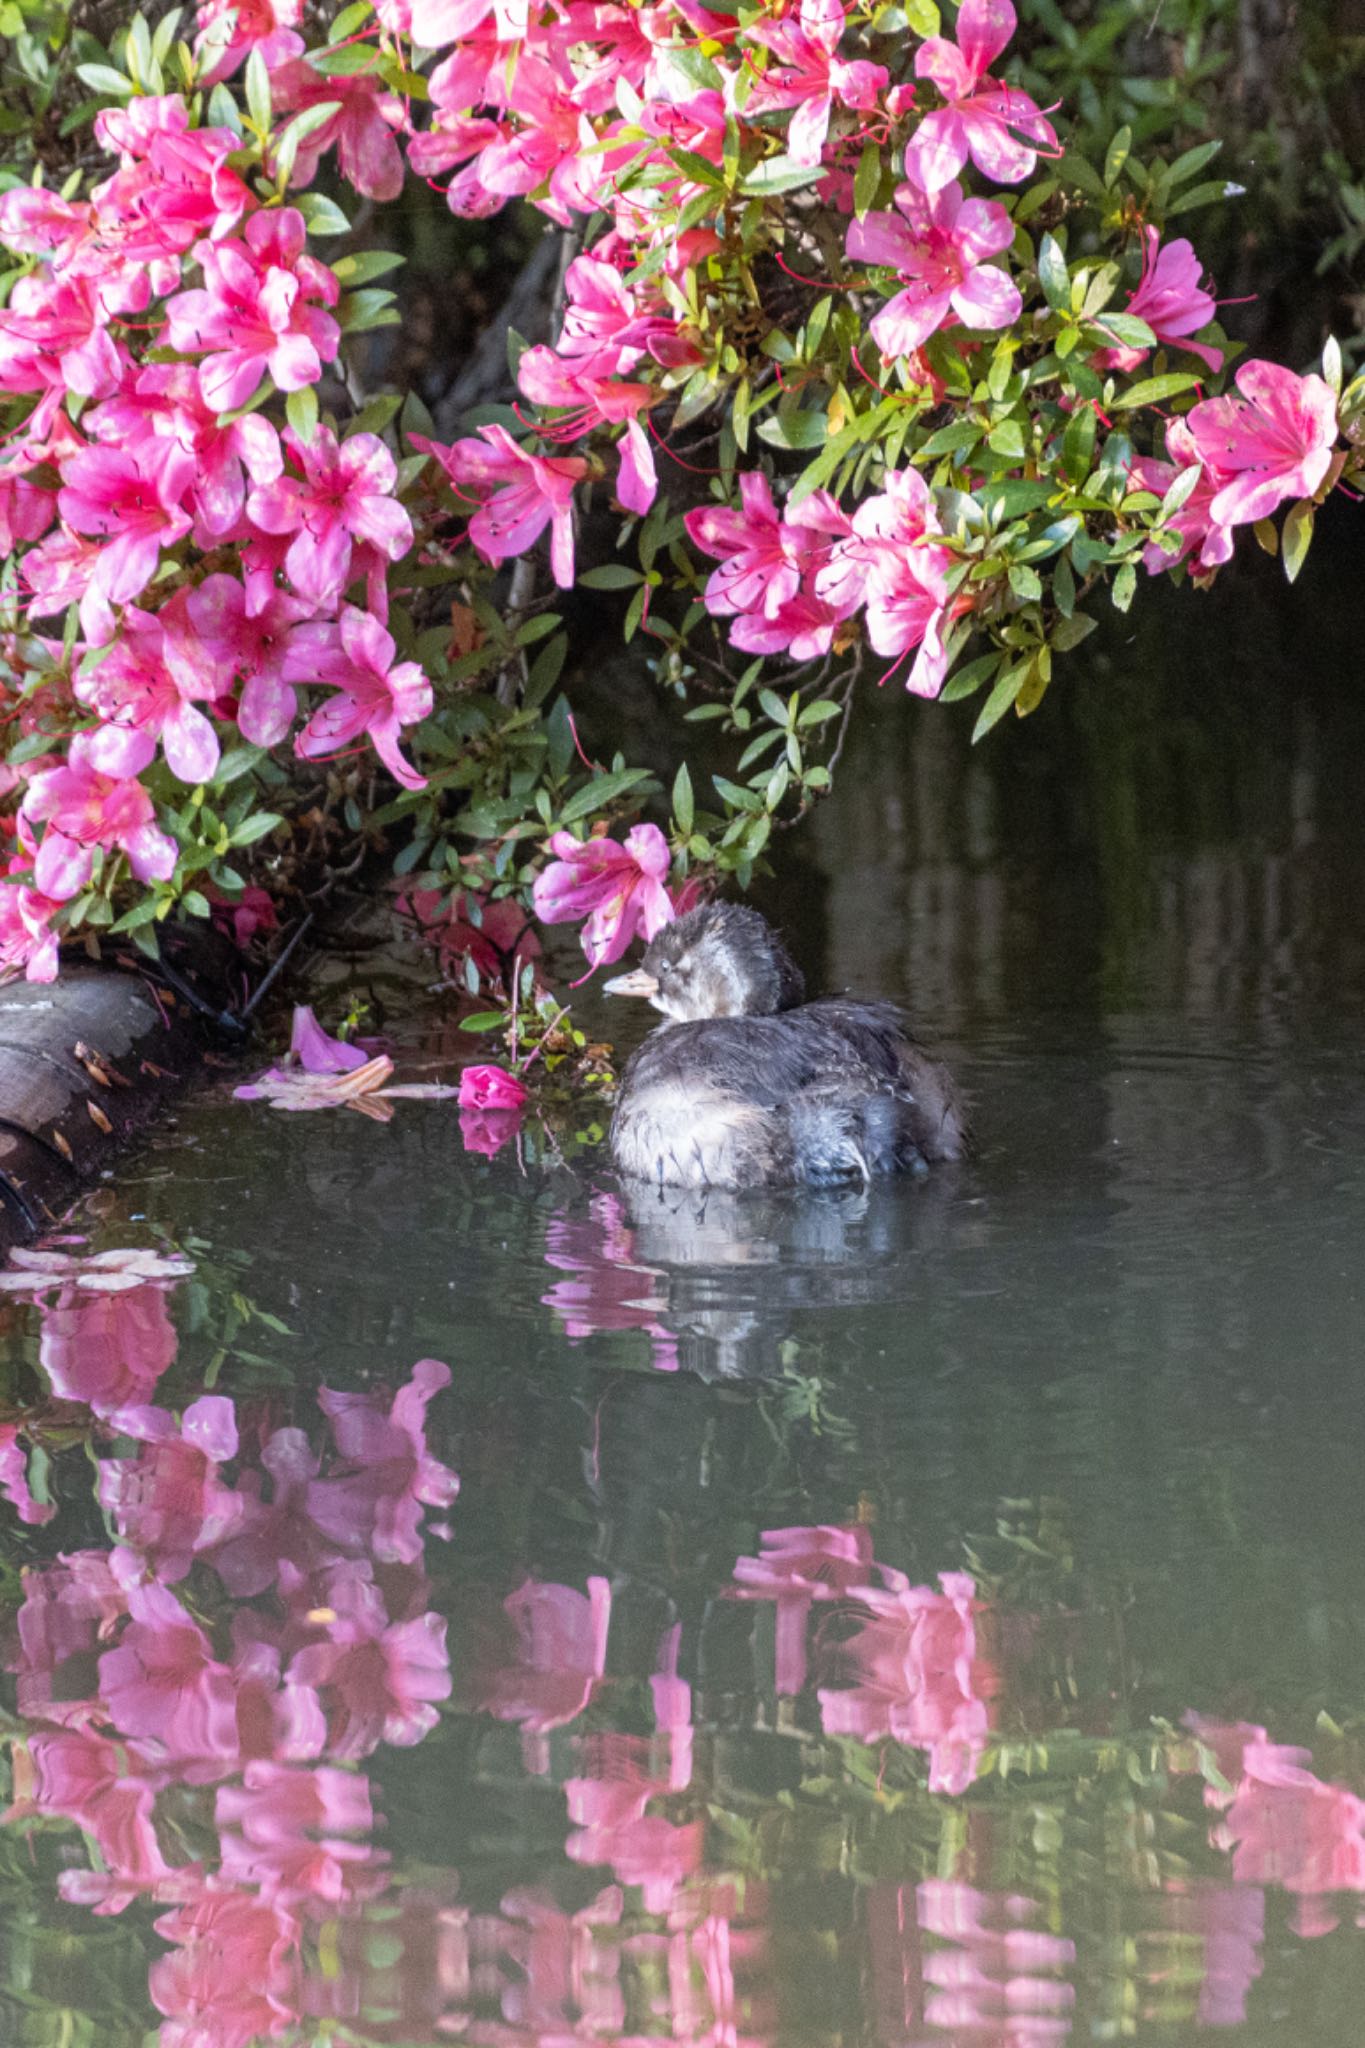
point(205, 1700)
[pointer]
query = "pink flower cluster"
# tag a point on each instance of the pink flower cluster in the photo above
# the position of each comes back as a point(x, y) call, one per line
point(791, 579)
point(127, 1691)
point(910, 1652)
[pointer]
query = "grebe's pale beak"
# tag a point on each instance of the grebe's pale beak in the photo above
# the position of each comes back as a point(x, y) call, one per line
point(636, 983)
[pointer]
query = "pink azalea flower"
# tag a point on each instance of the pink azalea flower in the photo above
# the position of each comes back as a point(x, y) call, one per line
point(107, 1350)
point(486, 1131)
point(379, 1681)
point(165, 399)
point(345, 495)
point(1194, 522)
point(890, 564)
point(84, 809)
point(362, 128)
point(54, 338)
point(70, 1608)
point(229, 30)
point(1171, 300)
point(761, 556)
point(518, 494)
point(83, 1777)
point(491, 1088)
point(163, 1689)
point(233, 1976)
point(260, 312)
point(913, 1661)
point(169, 1501)
point(939, 247)
point(374, 696)
point(26, 936)
point(374, 1502)
point(812, 77)
point(593, 401)
point(311, 1048)
point(619, 889)
point(980, 112)
point(236, 642)
point(145, 694)
point(134, 501)
point(1272, 443)
point(1284, 1824)
point(562, 1639)
point(795, 1568)
point(173, 186)
point(268, 1828)
point(609, 1285)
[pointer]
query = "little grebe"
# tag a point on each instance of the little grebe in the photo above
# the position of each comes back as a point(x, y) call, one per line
point(747, 1086)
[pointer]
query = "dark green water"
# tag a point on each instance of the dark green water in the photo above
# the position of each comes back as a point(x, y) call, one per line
point(305, 1747)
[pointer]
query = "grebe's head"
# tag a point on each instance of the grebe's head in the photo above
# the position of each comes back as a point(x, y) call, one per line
point(722, 960)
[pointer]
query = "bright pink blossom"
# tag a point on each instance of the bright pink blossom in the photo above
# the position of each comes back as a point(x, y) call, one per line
point(762, 556)
point(345, 494)
point(619, 889)
point(27, 939)
point(107, 1350)
point(261, 312)
point(83, 809)
point(145, 692)
point(252, 646)
point(379, 1680)
point(133, 501)
point(1274, 442)
point(229, 30)
point(811, 76)
point(939, 247)
point(592, 401)
point(165, 400)
point(609, 1285)
point(83, 1777)
point(491, 1088)
point(163, 1688)
point(54, 338)
point(1194, 522)
point(373, 695)
point(518, 495)
point(1173, 302)
point(233, 1977)
point(169, 1501)
point(982, 118)
point(891, 563)
point(14, 1478)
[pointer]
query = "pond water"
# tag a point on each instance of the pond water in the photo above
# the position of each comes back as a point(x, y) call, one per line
point(924, 1617)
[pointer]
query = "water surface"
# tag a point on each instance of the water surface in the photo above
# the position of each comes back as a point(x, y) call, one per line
point(923, 1617)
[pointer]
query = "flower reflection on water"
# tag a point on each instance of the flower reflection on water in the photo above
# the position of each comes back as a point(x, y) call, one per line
point(210, 1699)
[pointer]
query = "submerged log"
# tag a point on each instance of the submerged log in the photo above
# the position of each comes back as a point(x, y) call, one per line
point(85, 1063)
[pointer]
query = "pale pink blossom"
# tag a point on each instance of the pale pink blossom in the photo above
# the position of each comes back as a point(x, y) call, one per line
point(71, 1607)
point(795, 1568)
point(592, 401)
point(914, 1666)
point(83, 1777)
point(373, 1500)
point(169, 1501)
point(939, 246)
point(344, 495)
point(609, 1287)
point(762, 556)
point(518, 495)
point(982, 118)
point(1172, 301)
point(1273, 442)
point(163, 1688)
point(561, 1655)
point(27, 939)
point(14, 1483)
point(379, 1681)
point(811, 76)
point(620, 889)
point(107, 1350)
point(83, 809)
point(374, 696)
point(233, 1975)
point(261, 312)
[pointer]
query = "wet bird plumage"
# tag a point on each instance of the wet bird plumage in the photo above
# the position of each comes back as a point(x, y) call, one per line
point(745, 1085)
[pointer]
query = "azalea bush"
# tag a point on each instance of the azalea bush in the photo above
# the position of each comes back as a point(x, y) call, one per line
point(859, 373)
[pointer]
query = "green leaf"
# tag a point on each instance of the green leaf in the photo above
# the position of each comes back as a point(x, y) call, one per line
point(301, 411)
point(794, 430)
point(1116, 156)
point(611, 576)
point(684, 807)
point(365, 266)
point(322, 215)
point(779, 174)
point(1296, 537)
point(1152, 390)
point(1331, 363)
point(359, 312)
point(196, 904)
point(256, 827)
point(923, 17)
point(960, 435)
point(1069, 632)
point(1125, 587)
point(964, 681)
point(1001, 698)
point(1127, 330)
point(601, 791)
point(1078, 444)
point(102, 78)
point(1202, 195)
point(1191, 162)
point(1053, 274)
point(258, 91)
point(1008, 440)
point(1181, 491)
point(1025, 583)
point(484, 1020)
point(867, 179)
point(774, 707)
point(738, 798)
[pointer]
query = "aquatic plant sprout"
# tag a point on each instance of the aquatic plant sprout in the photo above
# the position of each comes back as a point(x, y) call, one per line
point(844, 355)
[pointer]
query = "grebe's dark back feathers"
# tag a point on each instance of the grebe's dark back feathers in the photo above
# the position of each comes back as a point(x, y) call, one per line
point(746, 1086)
